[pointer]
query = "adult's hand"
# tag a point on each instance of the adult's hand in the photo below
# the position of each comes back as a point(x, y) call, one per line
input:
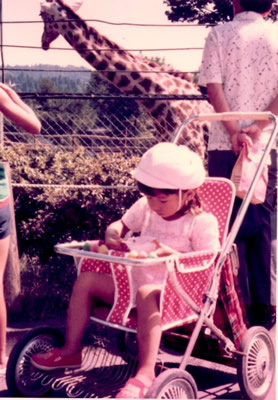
point(237, 141)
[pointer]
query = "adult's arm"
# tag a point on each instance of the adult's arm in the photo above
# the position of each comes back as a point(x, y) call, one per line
point(254, 130)
point(219, 102)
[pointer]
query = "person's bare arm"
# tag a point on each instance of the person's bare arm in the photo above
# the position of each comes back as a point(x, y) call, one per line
point(17, 111)
point(220, 105)
point(254, 130)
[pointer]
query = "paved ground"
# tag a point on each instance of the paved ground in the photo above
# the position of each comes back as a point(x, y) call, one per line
point(214, 381)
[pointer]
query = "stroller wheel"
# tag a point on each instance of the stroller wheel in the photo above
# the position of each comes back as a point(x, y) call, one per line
point(256, 367)
point(173, 383)
point(21, 377)
point(127, 343)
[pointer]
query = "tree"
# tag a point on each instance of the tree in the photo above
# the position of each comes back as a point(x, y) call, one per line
point(47, 85)
point(204, 11)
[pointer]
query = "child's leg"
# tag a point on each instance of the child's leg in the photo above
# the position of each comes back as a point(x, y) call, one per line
point(148, 337)
point(148, 330)
point(88, 287)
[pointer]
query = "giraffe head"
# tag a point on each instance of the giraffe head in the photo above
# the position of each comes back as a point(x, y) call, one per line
point(53, 12)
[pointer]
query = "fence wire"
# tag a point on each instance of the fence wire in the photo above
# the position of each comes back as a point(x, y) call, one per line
point(109, 124)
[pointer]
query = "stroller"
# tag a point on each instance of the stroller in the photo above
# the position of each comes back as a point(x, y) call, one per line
point(199, 303)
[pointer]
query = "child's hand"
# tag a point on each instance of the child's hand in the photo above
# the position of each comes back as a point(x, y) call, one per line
point(114, 241)
point(163, 250)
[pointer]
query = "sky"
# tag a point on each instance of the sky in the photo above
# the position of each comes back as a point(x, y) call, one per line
point(117, 11)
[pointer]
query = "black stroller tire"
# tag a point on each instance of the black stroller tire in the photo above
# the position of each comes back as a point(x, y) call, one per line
point(22, 379)
point(128, 346)
point(256, 368)
point(173, 383)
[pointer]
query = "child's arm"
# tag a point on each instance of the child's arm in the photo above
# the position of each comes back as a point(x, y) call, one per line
point(114, 233)
point(17, 111)
point(205, 235)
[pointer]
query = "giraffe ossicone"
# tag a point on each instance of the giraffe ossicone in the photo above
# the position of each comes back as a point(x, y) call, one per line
point(131, 74)
point(74, 4)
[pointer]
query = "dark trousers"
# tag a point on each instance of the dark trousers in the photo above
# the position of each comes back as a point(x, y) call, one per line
point(254, 237)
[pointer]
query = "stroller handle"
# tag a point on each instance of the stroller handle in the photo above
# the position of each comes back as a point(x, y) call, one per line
point(229, 116)
point(226, 116)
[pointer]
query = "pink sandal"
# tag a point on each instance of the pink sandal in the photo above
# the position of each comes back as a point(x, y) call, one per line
point(133, 389)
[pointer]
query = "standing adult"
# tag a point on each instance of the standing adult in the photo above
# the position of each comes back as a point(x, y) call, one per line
point(17, 111)
point(240, 71)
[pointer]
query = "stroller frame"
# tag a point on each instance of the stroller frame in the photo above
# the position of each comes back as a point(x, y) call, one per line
point(174, 382)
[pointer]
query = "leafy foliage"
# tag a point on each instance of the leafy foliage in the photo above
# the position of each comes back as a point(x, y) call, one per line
point(46, 216)
point(203, 11)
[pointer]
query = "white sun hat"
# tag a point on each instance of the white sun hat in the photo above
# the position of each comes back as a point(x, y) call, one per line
point(169, 166)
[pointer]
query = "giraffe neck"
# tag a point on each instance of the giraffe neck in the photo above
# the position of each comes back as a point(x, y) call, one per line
point(115, 64)
point(129, 73)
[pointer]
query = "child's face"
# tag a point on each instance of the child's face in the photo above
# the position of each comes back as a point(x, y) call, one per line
point(165, 205)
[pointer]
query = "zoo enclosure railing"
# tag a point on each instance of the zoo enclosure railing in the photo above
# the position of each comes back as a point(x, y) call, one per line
point(97, 122)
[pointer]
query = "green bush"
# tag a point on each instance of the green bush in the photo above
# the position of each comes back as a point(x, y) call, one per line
point(47, 215)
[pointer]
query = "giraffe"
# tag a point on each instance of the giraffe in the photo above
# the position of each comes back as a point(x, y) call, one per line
point(129, 73)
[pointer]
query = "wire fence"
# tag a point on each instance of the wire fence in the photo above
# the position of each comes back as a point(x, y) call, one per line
point(102, 123)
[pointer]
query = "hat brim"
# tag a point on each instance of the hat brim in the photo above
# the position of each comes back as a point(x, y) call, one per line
point(150, 181)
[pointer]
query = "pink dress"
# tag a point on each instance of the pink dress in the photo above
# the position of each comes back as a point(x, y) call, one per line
point(188, 233)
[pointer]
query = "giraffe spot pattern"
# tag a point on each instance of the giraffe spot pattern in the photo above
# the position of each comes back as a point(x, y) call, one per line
point(120, 66)
point(158, 89)
point(90, 57)
point(135, 75)
point(146, 84)
point(124, 81)
point(72, 27)
point(76, 39)
point(136, 90)
point(160, 108)
point(103, 64)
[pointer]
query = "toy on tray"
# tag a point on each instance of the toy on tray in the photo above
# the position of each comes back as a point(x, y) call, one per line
point(134, 247)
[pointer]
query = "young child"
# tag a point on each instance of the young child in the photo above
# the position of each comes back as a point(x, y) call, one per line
point(170, 211)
